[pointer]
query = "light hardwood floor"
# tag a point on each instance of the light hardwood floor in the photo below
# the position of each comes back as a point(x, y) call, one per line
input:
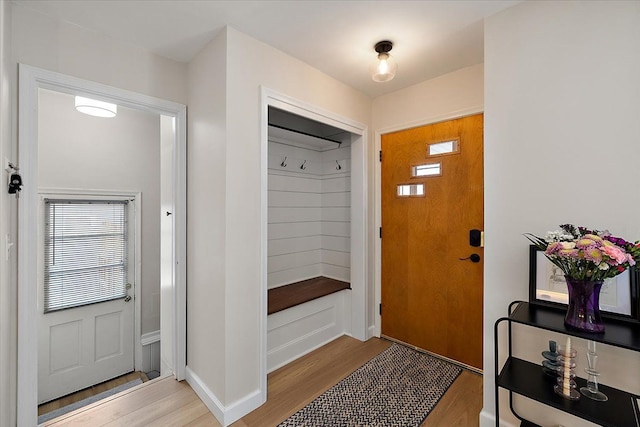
point(165, 402)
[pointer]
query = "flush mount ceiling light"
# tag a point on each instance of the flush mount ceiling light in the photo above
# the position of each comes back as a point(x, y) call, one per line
point(385, 67)
point(96, 108)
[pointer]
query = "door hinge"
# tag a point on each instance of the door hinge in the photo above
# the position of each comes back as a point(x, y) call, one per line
point(380, 309)
point(381, 232)
point(381, 155)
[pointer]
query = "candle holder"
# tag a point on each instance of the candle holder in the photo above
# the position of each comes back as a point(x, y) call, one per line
point(591, 390)
point(566, 383)
point(550, 363)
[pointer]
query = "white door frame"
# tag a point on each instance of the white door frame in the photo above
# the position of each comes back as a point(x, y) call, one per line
point(359, 288)
point(30, 80)
point(377, 272)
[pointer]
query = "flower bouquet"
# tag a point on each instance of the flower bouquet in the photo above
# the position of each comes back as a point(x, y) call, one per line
point(587, 258)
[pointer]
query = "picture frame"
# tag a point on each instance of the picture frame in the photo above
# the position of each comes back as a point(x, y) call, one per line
point(547, 286)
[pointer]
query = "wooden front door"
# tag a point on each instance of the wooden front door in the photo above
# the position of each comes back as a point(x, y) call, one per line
point(432, 196)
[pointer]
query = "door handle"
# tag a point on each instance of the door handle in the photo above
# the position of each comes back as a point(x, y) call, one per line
point(472, 257)
point(127, 298)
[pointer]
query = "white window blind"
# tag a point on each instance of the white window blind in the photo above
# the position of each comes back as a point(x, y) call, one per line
point(85, 252)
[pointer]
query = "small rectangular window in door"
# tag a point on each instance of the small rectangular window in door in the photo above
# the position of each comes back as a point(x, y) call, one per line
point(443, 148)
point(410, 190)
point(430, 169)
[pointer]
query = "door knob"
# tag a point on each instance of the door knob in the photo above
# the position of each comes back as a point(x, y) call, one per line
point(127, 298)
point(472, 257)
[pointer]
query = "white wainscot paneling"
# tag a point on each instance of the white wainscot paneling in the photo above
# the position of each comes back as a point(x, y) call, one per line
point(340, 259)
point(336, 272)
point(294, 244)
point(281, 215)
point(336, 184)
point(335, 214)
point(294, 183)
point(342, 244)
point(293, 260)
point(294, 229)
point(284, 277)
point(341, 229)
point(298, 330)
point(291, 199)
point(341, 199)
point(150, 351)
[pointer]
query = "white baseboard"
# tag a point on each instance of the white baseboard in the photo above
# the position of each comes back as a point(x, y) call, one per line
point(298, 330)
point(371, 332)
point(488, 419)
point(210, 400)
point(225, 415)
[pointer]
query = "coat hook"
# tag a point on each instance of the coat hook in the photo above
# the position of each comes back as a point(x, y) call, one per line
point(302, 166)
point(284, 162)
point(338, 167)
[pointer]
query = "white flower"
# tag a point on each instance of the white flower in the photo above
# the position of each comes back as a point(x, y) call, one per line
point(558, 236)
point(603, 266)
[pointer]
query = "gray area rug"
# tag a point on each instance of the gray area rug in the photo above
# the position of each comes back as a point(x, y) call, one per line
point(397, 388)
point(89, 400)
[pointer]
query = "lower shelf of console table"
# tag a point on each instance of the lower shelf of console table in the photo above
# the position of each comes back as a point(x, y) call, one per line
point(527, 379)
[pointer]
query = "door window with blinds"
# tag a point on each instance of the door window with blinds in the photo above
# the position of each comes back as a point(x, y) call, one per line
point(85, 252)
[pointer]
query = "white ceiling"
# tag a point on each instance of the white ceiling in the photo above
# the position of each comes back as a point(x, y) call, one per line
point(430, 38)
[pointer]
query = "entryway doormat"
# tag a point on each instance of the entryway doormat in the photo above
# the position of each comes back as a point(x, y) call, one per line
point(397, 388)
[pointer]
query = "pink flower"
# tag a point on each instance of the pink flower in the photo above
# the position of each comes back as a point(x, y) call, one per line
point(553, 248)
point(593, 254)
point(615, 253)
point(569, 253)
point(585, 243)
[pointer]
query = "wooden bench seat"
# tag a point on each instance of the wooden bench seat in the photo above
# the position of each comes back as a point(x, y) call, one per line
point(287, 296)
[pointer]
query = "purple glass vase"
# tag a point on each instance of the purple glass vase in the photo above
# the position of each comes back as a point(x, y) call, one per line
point(583, 312)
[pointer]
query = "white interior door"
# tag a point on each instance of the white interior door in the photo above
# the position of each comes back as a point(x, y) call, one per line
point(84, 346)
point(93, 341)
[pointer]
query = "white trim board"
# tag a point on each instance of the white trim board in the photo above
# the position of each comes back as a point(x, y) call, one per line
point(150, 337)
point(30, 80)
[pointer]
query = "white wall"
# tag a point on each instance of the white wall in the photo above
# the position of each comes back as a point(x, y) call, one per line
point(562, 101)
point(309, 211)
point(444, 96)
point(224, 209)
point(35, 39)
point(8, 302)
point(80, 152)
point(294, 78)
point(45, 42)
point(206, 219)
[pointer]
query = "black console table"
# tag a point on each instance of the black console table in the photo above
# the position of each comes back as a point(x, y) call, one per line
point(527, 379)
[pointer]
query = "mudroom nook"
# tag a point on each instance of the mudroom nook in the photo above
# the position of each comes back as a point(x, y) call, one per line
point(309, 235)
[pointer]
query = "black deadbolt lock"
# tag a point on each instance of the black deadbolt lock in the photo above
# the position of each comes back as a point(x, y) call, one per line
point(475, 238)
point(15, 183)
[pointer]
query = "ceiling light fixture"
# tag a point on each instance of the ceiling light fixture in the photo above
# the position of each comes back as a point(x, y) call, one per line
point(385, 67)
point(96, 108)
